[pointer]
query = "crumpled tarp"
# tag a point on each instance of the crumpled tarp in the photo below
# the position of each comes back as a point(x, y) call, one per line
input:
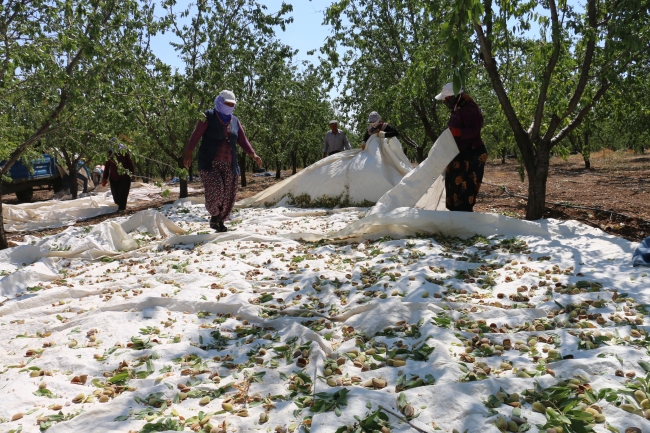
point(49, 214)
point(363, 175)
point(424, 186)
point(108, 238)
point(256, 288)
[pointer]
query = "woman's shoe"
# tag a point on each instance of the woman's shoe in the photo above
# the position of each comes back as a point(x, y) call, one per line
point(215, 223)
point(222, 227)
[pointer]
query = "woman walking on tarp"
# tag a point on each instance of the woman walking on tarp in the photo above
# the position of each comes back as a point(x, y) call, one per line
point(220, 133)
point(120, 171)
point(464, 173)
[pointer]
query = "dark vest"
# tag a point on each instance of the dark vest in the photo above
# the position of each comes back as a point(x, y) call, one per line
point(213, 138)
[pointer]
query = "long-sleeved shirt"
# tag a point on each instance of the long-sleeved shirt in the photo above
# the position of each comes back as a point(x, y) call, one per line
point(390, 131)
point(469, 120)
point(335, 142)
point(224, 153)
point(111, 167)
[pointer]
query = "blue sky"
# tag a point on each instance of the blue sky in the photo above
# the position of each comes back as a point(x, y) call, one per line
point(304, 34)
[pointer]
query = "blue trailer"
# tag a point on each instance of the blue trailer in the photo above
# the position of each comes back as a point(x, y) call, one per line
point(44, 173)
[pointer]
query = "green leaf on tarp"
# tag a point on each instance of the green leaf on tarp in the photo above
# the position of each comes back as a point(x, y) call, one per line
point(119, 377)
point(401, 400)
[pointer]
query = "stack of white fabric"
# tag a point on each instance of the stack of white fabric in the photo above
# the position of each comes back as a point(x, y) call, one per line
point(362, 175)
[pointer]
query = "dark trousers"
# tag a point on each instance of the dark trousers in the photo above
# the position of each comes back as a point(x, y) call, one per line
point(84, 179)
point(332, 153)
point(120, 190)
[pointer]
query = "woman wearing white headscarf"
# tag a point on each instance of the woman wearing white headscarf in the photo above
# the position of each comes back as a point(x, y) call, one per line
point(220, 133)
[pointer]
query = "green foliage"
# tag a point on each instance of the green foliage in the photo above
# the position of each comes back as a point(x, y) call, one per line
point(372, 422)
point(324, 401)
point(564, 404)
point(393, 63)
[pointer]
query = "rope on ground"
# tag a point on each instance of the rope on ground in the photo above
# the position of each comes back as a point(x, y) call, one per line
point(573, 206)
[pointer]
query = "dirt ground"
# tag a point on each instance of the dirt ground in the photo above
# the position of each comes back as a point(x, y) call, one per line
point(613, 195)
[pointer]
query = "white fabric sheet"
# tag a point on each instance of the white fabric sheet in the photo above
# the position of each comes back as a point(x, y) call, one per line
point(65, 212)
point(172, 295)
point(360, 174)
point(424, 186)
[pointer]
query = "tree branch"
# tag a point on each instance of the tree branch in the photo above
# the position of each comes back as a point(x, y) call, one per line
point(581, 115)
point(521, 136)
point(584, 73)
point(533, 131)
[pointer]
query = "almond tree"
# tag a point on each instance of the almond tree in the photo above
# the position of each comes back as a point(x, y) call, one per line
point(393, 63)
point(218, 48)
point(580, 53)
point(54, 55)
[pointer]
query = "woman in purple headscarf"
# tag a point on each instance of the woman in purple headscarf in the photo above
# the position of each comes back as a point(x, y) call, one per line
point(220, 133)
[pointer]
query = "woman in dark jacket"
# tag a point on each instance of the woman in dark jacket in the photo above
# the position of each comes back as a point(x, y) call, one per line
point(379, 127)
point(220, 133)
point(464, 173)
point(119, 170)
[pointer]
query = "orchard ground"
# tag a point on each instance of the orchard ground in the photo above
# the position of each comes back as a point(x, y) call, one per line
point(612, 195)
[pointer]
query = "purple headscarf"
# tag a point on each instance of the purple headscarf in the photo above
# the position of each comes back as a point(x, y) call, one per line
point(224, 111)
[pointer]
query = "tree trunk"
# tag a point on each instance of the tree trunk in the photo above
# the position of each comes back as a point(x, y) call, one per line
point(189, 170)
point(420, 153)
point(242, 169)
point(74, 185)
point(183, 189)
point(294, 163)
point(278, 168)
point(537, 176)
point(3, 235)
point(71, 164)
point(586, 152)
point(503, 155)
point(183, 184)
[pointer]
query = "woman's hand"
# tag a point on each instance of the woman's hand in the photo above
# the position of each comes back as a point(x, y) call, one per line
point(187, 158)
point(258, 160)
point(363, 145)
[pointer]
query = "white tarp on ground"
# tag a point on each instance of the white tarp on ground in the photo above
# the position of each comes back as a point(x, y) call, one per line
point(205, 320)
point(363, 175)
point(424, 186)
point(59, 213)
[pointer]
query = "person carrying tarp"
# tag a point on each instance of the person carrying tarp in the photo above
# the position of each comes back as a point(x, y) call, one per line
point(464, 174)
point(335, 140)
point(379, 127)
point(119, 160)
point(220, 133)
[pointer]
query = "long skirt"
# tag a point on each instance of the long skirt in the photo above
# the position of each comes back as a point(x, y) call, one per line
point(463, 178)
point(220, 184)
point(120, 191)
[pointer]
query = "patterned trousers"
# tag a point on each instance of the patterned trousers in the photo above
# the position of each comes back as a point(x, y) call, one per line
point(220, 185)
point(463, 178)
